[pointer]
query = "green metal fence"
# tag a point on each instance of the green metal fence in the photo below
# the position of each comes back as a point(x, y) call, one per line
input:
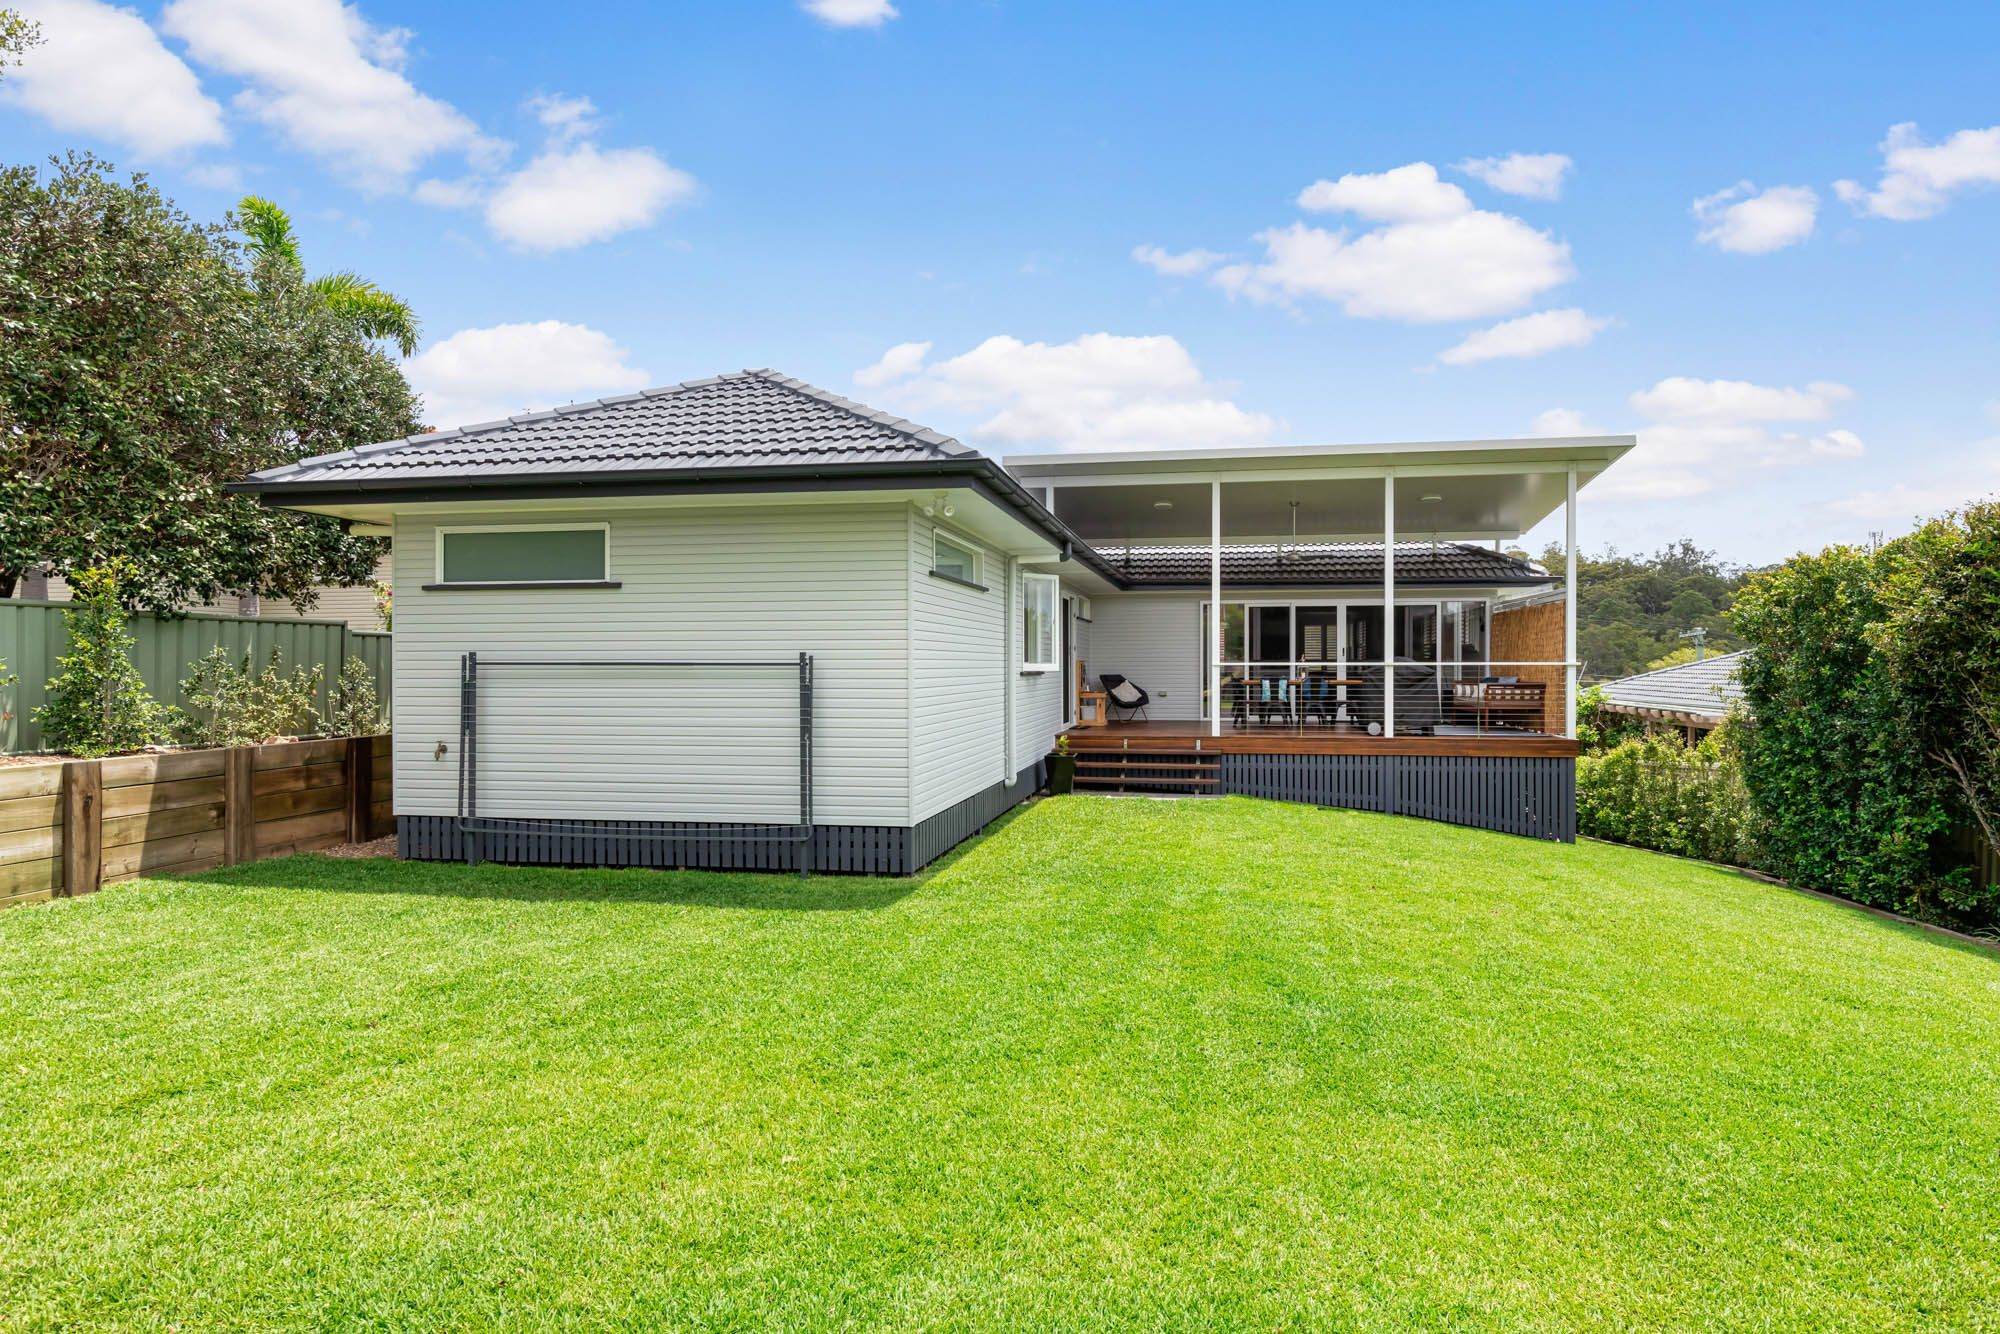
point(33, 636)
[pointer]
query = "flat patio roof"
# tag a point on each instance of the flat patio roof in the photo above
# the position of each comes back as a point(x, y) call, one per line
point(1460, 490)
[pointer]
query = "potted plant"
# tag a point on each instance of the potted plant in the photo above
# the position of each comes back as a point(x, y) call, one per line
point(1062, 769)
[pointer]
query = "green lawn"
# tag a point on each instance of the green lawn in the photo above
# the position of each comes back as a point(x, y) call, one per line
point(1123, 1065)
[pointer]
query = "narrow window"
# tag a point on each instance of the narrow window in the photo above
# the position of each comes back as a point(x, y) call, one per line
point(1039, 593)
point(954, 561)
point(565, 554)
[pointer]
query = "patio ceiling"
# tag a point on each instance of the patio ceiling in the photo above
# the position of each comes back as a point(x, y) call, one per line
point(1467, 491)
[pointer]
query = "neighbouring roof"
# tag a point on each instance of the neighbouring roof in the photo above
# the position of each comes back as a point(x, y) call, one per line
point(1694, 690)
point(743, 419)
point(1322, 565)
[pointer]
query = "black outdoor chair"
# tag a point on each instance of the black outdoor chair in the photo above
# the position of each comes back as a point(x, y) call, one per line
point(1122, 694)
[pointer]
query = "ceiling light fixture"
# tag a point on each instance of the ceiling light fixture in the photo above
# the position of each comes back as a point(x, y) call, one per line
point(1163, 504)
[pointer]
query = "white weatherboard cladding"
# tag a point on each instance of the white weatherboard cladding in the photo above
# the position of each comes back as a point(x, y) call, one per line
point(1155, 639)
point(958, 676)
point(621, 744)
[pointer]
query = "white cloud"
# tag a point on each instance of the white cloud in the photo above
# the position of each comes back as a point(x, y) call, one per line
point(216, 176)
point(331, 84)
point(899, 362)
point(461, 193)
point(480, 375)
point(1974, 475)
point(1182, 265)
point(1098, 391)
point(571, 196)
point(1411, 193)
point(1436, 258)
point(850, 13)
point(1530, 175)
point(1919, 179)
point(99, 70)
point(1528, 336)
point(1683, 399)
point(1697, 432)
point(565, 118)
point(1563, 421)
point(1757, 222)
point(1698, 427)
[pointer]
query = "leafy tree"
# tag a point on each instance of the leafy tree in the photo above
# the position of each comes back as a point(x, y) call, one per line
point(1940, 642)
point(373, 312)
point(1632, 609)
point(98, 704)
point(17, 34)
point(147, 361)
point(1848, 803)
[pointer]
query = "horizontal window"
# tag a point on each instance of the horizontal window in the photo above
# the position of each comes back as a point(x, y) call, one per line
point(567, 554)
point(953, 560)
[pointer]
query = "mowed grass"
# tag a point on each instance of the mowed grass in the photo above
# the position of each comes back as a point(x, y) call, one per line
point(1121, 1065)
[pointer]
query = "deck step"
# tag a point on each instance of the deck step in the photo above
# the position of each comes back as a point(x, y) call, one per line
point(1139, 780)
point(1141, 763)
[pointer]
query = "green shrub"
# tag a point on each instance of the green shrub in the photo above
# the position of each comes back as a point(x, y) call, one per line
point(1598, 730)
point(98, 704)
point(1656, 793)
point(224, 703)
point(356, 708)
point(1849, 801)
point(1939, 642)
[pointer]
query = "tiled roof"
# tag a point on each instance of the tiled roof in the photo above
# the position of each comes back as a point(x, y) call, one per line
point(1322, 565)
point(744, 419)
point(1706, 688)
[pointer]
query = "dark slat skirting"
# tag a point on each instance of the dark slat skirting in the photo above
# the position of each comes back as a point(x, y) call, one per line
point(1530, 795)
point(855, 849)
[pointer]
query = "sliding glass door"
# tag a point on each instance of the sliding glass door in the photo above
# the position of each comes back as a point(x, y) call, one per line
point(1325, 662)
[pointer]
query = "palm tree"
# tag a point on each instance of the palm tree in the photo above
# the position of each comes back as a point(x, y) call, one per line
point(372, 311)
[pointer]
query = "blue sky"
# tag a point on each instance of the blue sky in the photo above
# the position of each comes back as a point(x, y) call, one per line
point(1352, 209)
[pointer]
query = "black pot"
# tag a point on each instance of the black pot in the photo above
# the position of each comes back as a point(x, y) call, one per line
point(1062, 775)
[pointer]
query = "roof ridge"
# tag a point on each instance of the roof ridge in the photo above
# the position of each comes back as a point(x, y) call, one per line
point(888, 421)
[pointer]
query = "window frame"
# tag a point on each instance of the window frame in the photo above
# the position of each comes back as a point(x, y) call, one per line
point(939, 537)
point(1031, 579)
point(605, 580)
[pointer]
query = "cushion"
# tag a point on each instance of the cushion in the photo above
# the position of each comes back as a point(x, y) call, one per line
point(1126, 694)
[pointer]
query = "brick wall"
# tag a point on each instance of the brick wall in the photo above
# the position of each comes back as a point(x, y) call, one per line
point(1532, 634)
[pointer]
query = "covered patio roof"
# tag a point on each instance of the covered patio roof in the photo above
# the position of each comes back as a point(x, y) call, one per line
point(1468, 490)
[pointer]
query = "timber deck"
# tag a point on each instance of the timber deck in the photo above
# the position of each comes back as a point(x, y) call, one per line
point(1183, 737)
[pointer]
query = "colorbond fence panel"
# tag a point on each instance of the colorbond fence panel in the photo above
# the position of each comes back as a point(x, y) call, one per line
point(67, 827)
point(33, 637)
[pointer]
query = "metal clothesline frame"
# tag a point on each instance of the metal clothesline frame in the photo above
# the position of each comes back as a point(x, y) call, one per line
point(471, 824)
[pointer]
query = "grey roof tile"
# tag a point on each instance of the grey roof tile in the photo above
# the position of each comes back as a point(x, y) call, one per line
point(1705, 688)
point(746, 419)
point(1323, 564)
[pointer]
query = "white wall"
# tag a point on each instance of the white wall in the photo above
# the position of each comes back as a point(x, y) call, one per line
point(958, 675)
point(1155, 639)
point(678, 745)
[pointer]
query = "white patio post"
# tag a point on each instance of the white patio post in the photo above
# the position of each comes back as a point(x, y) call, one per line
point(1389, 604)
point(1569, 606)
point(1215, 609)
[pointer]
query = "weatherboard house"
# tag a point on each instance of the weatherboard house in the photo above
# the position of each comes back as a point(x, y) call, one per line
point(744, 622)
